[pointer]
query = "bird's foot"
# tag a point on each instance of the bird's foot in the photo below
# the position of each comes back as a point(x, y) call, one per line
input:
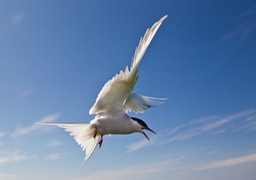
point(101, 141)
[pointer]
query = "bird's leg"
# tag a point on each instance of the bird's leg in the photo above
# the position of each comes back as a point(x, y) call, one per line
point(101, 140)
point(95, 133)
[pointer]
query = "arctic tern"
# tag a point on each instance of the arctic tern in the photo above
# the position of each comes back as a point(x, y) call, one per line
point(114, 101)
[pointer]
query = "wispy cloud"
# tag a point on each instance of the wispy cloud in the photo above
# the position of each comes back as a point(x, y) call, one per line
point(146, 170)
point(2, 134)
point(178, 166)
point(53, 156)
point(36, 127)
point(249, 125)
point(214, 125)
point(249, 12)
point(241, 32)
point(10, 157)
point(246, 25)
point(211, 124)
point(25, 91)
point(137, 145)
point(156, 139)
point(228, 162)
point(17, 18)
point(8, 176)
point(54, 143)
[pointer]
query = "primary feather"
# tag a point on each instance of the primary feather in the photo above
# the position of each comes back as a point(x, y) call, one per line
point(114, 93)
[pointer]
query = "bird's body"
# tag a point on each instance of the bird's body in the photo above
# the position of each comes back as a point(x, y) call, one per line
point(113, 103)
point(118, 123)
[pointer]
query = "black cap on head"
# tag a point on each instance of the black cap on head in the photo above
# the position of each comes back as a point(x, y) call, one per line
point(142, 123)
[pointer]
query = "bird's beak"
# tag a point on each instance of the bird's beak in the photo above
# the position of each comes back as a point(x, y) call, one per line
point(148, 130)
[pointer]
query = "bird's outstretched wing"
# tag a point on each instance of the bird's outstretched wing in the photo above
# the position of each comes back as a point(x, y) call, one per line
point(114, 93)
point(138, 103)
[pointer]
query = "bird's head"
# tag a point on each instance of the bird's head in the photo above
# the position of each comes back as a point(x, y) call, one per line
point(140, 125)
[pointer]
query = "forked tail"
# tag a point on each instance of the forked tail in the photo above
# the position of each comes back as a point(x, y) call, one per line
point(83, 134)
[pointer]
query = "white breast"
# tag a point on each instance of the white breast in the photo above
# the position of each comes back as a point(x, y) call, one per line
point(114, 124)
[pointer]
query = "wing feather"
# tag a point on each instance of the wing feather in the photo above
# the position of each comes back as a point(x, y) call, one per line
point(139, 104)
point(114, 93)
point(144, 43)
point(83, 135)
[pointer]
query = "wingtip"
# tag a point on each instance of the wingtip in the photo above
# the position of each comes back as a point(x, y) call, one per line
point(82, 164)
point(163, 18)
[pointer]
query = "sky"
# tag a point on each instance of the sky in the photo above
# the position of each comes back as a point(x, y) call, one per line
point(55, 56)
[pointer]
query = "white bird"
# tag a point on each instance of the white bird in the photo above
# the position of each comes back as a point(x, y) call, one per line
point(113, 103)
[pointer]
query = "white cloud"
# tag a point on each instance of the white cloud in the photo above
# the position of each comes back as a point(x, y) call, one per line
point(25, 91)
point(146, 170)
point(2, 134)
point(228, 162)
point(246, 26)
point(182, 166)
point(138, 145)
point(36, 127)
point(53, 156)
point(153, 139)
point(241, 32)
point(214, 125)
point(249, 124)
point(222, 121)
point(17, 19)
point(8, 176)
point(249, 12)
point(10, 157)
point(54, 143)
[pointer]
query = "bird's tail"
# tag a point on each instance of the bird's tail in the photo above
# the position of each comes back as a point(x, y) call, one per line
point(83, 134)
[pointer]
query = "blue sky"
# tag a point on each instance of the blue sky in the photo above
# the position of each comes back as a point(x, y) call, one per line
point(55, 56)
